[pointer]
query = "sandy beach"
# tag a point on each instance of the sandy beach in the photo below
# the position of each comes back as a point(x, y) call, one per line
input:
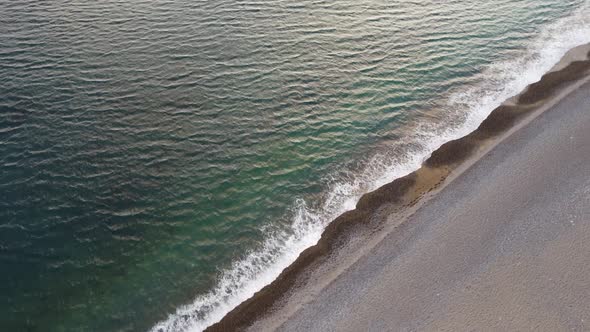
point(503, 247)
point(491, 233)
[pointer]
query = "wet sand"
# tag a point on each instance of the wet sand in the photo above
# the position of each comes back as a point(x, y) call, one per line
point(491, 233)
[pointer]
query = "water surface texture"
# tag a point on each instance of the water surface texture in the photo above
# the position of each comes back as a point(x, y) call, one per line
point(160, 161)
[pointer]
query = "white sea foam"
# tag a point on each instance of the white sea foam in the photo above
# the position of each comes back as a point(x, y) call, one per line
point(465, 111)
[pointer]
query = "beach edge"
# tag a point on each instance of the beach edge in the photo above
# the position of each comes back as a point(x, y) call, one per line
point(408, 192)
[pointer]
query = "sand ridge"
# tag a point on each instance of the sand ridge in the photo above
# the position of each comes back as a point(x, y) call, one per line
point(406, 192)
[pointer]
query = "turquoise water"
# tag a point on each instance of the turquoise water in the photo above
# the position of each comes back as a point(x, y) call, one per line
point(155, 154)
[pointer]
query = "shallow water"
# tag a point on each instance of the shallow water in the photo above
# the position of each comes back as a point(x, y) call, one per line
point(161, 153)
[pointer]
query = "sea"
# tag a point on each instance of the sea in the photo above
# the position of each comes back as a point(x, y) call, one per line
point(163, 160)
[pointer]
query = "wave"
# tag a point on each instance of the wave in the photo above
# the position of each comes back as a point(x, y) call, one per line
point(463, 112)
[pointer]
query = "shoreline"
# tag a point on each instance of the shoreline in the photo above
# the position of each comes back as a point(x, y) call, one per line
point(502, 247)
point(405, 195)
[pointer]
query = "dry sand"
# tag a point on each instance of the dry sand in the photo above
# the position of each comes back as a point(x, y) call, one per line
point(505, 246)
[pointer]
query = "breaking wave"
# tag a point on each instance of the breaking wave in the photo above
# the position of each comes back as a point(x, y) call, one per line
point(462, 113)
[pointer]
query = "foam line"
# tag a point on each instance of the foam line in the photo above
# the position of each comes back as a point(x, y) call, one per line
point(464, 112)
